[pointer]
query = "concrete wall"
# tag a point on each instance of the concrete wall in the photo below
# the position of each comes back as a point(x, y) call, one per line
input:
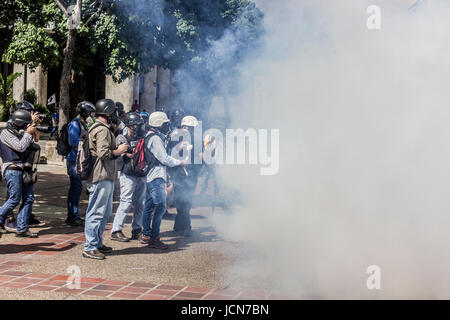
point(124, 92)
point(148, 97)
point(36, 80)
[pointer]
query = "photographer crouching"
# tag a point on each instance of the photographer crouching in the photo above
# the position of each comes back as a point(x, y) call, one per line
point(17, 149)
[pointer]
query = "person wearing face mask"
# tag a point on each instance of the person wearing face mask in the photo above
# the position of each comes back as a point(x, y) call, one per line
point(184, 179)
point(155, 201)
point(10, 222)
point(117, 119)
point(132, 186)
point(16, 143)
point(100, 184)
point(77, 128)
point(145, 116)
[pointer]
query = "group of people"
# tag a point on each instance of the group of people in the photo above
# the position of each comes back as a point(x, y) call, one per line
point(137, 145)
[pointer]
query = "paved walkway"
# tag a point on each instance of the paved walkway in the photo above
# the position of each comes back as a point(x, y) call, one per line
point(195, 268)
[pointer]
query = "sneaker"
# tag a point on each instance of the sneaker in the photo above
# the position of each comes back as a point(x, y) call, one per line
point(105, 249)
point(94, 254)
point(10, 225)
point(145, 239)
point(136, 234)
point(34, 222)
point(119, 236)
point(158, 244)
point(77, 222)
point(26, 234)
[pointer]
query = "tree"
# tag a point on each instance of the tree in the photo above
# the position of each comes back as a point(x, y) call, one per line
point(8, 97)
point(133, 36)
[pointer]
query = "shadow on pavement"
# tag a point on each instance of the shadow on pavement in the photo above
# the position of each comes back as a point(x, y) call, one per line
point(33, 247)
point(181, 243)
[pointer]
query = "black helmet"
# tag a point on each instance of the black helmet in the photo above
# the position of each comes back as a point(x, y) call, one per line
point(105, 107)
point(21, 117)
point(133, 118)
point(85, 108)
point(120, 109)
point(25, 105)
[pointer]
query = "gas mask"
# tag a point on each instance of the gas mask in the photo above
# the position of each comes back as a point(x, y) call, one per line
point(140, 132)
point(165, 128)
point(113, 119)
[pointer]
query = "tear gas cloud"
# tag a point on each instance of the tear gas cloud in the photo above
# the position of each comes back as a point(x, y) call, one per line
point(364, 175)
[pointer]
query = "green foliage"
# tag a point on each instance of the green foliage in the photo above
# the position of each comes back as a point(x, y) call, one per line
point(134, 35)
point(30, 96)
point(4, 111)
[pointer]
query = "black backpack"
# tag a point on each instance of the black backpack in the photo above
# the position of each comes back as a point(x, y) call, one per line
point(85, 160)
point(62, 139)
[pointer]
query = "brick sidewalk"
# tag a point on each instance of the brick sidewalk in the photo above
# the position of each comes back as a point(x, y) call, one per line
point(19, 253)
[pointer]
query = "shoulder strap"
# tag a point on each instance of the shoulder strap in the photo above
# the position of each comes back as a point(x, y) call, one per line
point(96, 124)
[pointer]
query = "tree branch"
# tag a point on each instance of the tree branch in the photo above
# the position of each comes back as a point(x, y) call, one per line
point(63, 9)
point(93, 4)
point(95, 13)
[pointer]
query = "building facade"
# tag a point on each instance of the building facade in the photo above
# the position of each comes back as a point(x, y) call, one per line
point(152, 91)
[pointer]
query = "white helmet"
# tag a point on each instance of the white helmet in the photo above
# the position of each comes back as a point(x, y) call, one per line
point(157, 119)
point(189, 121)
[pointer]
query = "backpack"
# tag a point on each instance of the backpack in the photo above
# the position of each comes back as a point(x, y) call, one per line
point(142, 160)
point(62, 140)
point(85, 160)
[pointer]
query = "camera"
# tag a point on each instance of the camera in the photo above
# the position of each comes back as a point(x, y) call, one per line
point(44, 129)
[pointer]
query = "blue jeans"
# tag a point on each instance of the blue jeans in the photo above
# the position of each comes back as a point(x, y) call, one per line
point(132, 190)
point(75, 189)
point(17, 191)
point(155, 200)
point(98, 212)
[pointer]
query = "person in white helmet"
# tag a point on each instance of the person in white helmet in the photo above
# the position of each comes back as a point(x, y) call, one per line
point(159, 160)
point(184, 179)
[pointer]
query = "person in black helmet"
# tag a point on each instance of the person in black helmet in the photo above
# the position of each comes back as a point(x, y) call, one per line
point(132, 186)
point(117, 120)
point(77, 128)
point(100, 185)
point(121, 110)
point(10, 222)
point(16, 142)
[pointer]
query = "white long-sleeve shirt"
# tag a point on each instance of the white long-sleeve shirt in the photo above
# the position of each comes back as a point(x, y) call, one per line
point(157, 148)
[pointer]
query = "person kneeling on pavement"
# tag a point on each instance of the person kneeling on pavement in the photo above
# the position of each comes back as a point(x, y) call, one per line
point(155, 200)
point(16, 146)
point(132, 184)
point(100, 184)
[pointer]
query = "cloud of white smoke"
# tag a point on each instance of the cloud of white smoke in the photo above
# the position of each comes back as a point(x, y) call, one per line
point(364, 173)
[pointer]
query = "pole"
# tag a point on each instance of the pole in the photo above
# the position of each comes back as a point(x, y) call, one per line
point(5, 87)
point(25, 71)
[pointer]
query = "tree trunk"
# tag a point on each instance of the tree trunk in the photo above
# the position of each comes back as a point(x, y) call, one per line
point(66, 75)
